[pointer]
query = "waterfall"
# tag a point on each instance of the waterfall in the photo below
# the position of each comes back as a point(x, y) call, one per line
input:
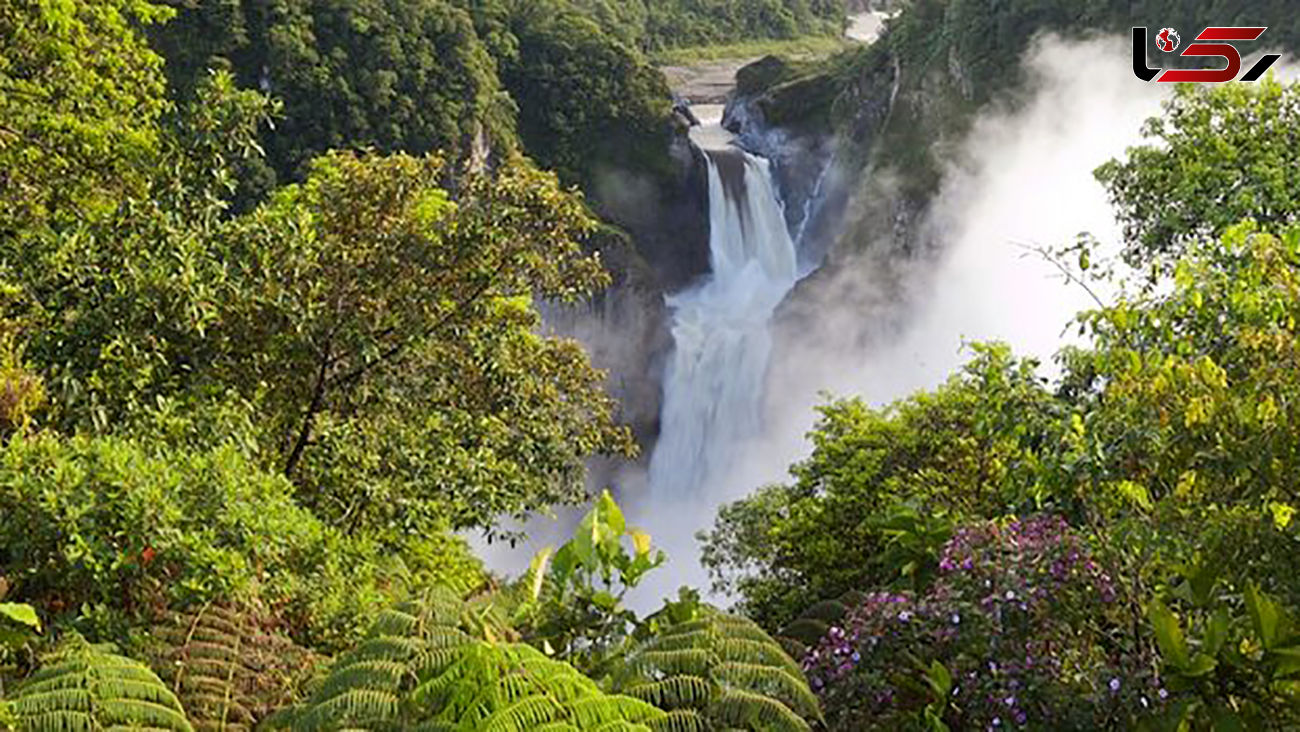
point(713, 388)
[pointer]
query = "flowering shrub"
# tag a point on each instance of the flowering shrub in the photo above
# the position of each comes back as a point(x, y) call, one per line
point(1021, 629)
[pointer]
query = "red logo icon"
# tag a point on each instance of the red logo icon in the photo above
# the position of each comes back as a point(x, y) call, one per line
point(1167, 40)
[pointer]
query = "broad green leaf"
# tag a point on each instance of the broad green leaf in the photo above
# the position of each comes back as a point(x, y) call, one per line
point(611, 515)
point(20, 613)
point(940, 680)
point(1201, 665)
point(1216, 632)
point(1265, 616)
point(1288, 662)
point(539, 567)
point(1224, 719)
point(1169, 635)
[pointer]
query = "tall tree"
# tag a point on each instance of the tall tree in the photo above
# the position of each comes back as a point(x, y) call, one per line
point(80, 98)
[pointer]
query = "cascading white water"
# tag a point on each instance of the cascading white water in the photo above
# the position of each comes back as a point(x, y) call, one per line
point(713, 388)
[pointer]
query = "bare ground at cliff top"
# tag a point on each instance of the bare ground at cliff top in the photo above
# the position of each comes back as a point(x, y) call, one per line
point(709, 81)
point(705, 83)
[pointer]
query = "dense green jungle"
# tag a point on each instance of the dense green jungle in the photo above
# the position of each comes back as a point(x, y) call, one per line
point(274, 284)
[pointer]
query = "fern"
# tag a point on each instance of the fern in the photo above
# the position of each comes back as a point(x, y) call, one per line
point(437, 665)
point(513, 688)
point(227, 670)
point(717, 672)
point(88, 687)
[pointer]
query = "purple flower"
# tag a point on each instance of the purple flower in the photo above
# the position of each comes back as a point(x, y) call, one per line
point(1114, 684)
point(1163, 694)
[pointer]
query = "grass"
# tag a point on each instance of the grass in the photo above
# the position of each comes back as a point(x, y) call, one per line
point(796, 47)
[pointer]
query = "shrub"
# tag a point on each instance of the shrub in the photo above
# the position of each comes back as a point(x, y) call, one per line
point(107, 534)
point(1020, 629)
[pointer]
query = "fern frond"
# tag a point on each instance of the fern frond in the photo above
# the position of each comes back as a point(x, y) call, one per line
point(681, 720)
point(717, 671)
point(675, 692)
point(737, 708)
point(777, 683)
point(355, 707)
point(84, 686)
point(422, 668)
point(228, 670)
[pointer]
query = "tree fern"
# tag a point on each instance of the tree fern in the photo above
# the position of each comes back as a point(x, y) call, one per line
point(718, 672)
point(90, 687)
point(438, 664)
point(227, 670)
point(515, 688)
point(365, 687)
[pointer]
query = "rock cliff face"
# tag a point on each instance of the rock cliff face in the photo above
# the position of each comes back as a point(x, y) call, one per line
point(787, 115)
point(657, 243)
point(667, 217)
point(857, 142)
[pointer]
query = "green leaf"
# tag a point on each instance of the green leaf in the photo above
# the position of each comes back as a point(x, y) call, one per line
point(1282, 514)
point(585, 539)
point(1201, 579)
point(1224, 719)
point(604, 600)
point(933, 722)
point(1216, 632)
point(940, 680)
point(1265, 616)
point(611, 515)
point(537, 569)
point(1201, 665)
point(1135, 494)
point(1288, 662)
point(1169, 635)
point(20, 613)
